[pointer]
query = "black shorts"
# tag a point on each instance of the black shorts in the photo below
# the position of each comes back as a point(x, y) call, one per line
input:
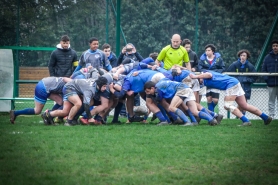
point(213, 95)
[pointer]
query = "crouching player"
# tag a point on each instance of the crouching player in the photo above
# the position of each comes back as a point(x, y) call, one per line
point(49, 87)
point(72, 92)
point(179, 93)
point(233, 93)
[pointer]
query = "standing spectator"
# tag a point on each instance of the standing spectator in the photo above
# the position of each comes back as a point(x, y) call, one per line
point(106, 48)
point(94, 57)
point(173, 54)
point(211, 60)
point(129, 51)
point(63, 59)
point(270, 65)
point(193, 58)
point(242, 65)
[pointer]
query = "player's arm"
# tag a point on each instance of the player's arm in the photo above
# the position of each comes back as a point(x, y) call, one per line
point(201, 76)
point(117, 94)
point(188, 66)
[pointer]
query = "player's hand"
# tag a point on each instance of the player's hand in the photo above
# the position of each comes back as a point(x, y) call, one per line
point(129, 93)
point(135, 73)
point(193, 76)
point(111, 86)
point(154, 67)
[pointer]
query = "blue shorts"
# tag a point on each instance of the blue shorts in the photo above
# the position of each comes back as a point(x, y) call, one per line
point(67, 92)
point(40, 93)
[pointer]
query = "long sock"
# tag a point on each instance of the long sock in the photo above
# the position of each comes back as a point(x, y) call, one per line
point(117, 111)
point(59, 108)
point(206, 116)
point(182, 116)
point(173, 115)
point(164, 113)
point(160, 116)
point(211, 106)
point(264, 116)
point(146, 117)
point(79, 113)
point(56, 106)
point(27, 111)
point(213, 114)
point(244, 119)
point(192, 118)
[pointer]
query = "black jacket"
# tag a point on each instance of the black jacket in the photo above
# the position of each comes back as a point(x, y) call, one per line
point(61, 62)
point(134, 56)
point(113, 59)
point(245, 81)
point(270, 65)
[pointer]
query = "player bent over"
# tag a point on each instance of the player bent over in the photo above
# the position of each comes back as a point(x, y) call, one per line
point(233, 93)
point(72, 92)
point(49, 87)
point(179, 93)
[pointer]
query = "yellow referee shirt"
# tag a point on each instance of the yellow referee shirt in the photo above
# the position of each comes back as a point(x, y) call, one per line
point(171, 56)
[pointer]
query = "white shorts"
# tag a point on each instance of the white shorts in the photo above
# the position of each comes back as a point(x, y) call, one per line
point(235, 91)
point(195, 85)
point(156, 77)
point(187, 93)
point(203, 91)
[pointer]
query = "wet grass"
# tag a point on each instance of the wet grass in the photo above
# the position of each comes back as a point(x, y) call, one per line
point(32, 153)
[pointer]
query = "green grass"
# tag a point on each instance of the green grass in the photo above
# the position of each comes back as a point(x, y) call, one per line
point(32, 153)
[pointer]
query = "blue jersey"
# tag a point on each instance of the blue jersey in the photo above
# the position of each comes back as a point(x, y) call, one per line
point(167, 88)
point(136, 83)
point(220, 81)
point(97, 59)
point(147, 60)
point(180, 77)
point(166, 73)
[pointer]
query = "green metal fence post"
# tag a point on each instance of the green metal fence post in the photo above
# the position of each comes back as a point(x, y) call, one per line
point(118, 29)
point(196, 27)
point(107, 21)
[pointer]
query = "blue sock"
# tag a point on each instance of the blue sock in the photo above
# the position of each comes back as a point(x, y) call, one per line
point(56, 106)
point(182, 116)
point(264, 116)
point(205, 116)
point(173, 115)
point(27, 111)
point(208, 112)
point(211, 106)
point(79, 113)
point(146, 117)
point(243, 112)
point(164, 113)
point(192, 118)
point(244, 119)
point(160, 116)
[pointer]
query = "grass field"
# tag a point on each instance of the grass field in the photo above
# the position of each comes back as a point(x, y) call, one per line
point(32, 153)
